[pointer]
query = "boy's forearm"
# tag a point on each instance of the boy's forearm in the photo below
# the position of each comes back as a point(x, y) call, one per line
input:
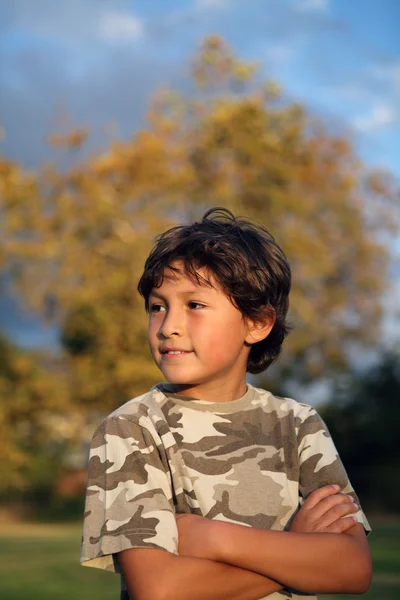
point(308, 562)
point(211, 580)
point(181, 577)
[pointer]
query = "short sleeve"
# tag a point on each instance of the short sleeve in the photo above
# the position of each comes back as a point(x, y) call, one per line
point(319, 461)
point(129, 502)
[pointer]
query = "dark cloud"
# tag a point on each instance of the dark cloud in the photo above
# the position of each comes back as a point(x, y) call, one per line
point(58, 57)
point(41, 90)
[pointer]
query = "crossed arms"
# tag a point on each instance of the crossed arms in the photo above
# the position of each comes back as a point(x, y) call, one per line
point(324, 551)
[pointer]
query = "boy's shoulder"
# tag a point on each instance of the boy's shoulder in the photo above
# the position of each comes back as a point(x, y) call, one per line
point(285, 406)
point(139, 405)
point(140, 410)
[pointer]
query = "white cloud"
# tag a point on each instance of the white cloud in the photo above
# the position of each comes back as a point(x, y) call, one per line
point(118, 26)
point(312, 5)
point(206, 4)
point(72, 22)
point(377, 86)
point(379, 116)
point(349, 91)
point(279, 53)
point(387, 73)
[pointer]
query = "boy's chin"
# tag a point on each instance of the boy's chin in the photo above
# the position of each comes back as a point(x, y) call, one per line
point(173, 377)
point(181, 388)
point(180, 382)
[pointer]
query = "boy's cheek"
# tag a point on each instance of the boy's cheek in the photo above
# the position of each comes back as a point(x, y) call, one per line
point(222, 341)
point(152, 340)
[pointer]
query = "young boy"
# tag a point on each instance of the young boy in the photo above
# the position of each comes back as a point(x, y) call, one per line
point(207, 487)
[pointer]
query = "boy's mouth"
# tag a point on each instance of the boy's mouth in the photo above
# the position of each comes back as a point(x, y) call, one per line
point(174, 351)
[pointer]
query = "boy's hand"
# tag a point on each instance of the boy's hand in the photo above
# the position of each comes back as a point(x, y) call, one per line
point(195, 536)
point(323, 511)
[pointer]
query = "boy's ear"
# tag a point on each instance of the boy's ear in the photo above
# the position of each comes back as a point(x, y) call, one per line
point(259, 329)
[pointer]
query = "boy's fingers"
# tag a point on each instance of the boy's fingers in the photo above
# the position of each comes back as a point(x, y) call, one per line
point(329, 503)
point(341, 525)
point(318, 495)
point(337, 512)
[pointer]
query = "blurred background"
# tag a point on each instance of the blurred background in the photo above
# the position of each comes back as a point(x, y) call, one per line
point(120, 118)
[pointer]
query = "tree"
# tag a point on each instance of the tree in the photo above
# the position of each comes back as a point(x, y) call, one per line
point(30, 399)
point(75, 241)
point(363, 417)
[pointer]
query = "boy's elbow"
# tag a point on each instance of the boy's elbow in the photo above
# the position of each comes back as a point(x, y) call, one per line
point(363, 578)
point(359, 574)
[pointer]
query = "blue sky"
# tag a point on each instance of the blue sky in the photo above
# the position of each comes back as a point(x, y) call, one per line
point(98, 61)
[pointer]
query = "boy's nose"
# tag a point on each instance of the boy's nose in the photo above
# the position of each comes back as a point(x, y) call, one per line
point(172, 325)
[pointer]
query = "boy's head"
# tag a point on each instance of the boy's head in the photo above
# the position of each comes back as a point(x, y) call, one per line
point(227, 255)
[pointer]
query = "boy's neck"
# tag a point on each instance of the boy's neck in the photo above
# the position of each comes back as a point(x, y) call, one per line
point(212, 391)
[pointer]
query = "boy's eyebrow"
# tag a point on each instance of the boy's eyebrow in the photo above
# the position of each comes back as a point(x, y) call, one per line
point(187, 293)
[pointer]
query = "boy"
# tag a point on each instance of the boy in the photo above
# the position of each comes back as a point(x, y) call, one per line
point(207, 487)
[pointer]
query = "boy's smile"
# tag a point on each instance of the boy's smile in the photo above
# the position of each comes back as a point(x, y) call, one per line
point(197, 338)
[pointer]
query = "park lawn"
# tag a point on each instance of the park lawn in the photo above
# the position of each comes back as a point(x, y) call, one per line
point(40, 562)
point(43, 564)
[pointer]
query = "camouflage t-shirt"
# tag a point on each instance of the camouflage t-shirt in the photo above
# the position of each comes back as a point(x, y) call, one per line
point(251, 461)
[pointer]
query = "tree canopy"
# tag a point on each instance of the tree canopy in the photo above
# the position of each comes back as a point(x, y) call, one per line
point(74, 241)
point(363, 417)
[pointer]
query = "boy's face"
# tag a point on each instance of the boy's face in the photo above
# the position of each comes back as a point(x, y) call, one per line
point(209, 333)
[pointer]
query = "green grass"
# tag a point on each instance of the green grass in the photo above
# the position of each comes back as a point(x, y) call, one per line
point(385, 548)
point(44, 564)
point(41, 562)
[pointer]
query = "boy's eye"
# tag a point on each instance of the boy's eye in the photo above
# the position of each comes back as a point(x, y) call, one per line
point(196, 305)
point(155, 308)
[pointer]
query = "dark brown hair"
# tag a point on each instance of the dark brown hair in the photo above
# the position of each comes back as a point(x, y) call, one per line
point(246, 262)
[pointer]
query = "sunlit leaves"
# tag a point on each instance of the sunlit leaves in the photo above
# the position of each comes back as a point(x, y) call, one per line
point(80, 236)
